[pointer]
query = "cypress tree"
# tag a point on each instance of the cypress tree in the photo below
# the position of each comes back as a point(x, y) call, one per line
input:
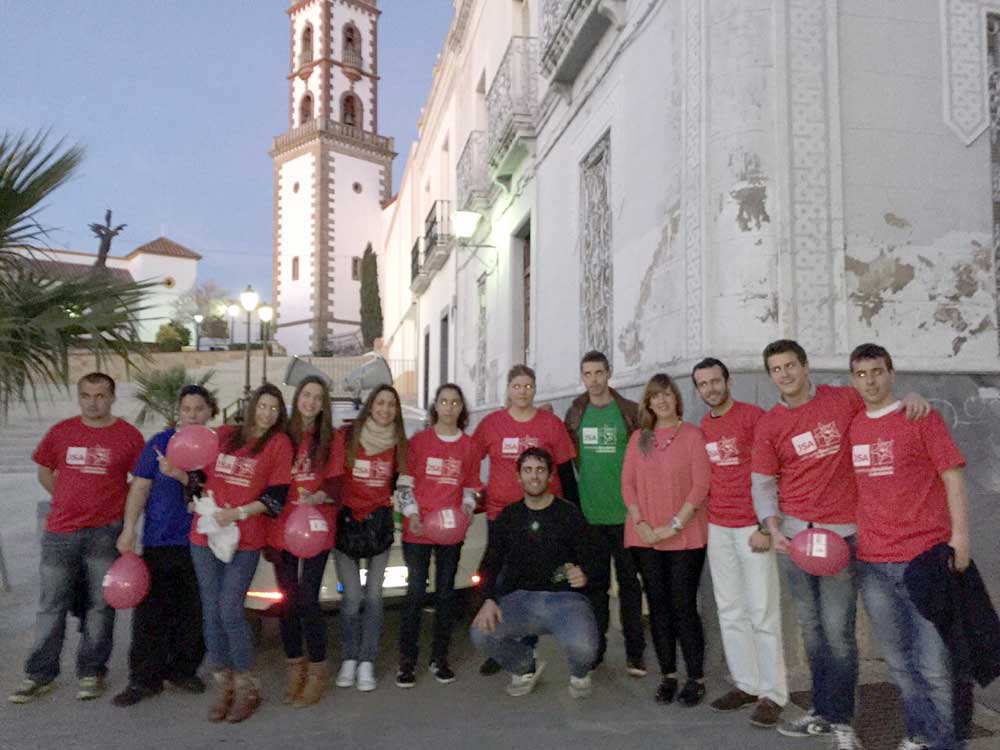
point(371, 302)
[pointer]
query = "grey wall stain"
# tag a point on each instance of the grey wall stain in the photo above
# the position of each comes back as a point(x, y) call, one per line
point(896, 221)
point(951, 315)
point(956, 344)
point(883, 275)
point(752, 201)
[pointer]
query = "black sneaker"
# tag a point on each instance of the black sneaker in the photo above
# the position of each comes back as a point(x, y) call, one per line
point(691, 694)
point(667, 690)
point(442, 672)
point(489, 667)
point(405, 677)
point(132, 694)
point(636, 667)
point(193, 684)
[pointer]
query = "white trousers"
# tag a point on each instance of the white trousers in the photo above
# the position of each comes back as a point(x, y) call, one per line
point(747, 595)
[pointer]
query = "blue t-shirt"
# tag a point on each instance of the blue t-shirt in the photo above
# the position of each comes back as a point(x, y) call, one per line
point(168, 522)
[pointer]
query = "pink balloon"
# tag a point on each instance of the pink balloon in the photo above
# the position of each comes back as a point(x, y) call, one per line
point(193, 447)
point(445, 526)
point(819, 552)
point(306, 531)
point(127, 582)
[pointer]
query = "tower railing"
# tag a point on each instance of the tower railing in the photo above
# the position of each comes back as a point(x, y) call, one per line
point(307, 130)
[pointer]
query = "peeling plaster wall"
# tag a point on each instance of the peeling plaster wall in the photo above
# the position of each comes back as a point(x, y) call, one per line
point(918, 222)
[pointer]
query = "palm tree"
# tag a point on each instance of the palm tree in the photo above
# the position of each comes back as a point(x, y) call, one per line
point(159, 391)
point(43, 319)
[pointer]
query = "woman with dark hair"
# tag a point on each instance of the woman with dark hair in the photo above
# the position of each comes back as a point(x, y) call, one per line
point(375, 451)
point(504, 435)
point(248, 482)
point(167, 644)
point(316, 478)
point(444, 463)
point(665, 484)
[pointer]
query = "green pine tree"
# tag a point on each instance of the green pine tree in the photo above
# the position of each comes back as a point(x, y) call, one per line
point(371, 302)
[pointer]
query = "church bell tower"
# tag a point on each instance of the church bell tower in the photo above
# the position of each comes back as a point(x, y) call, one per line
point(332, 173)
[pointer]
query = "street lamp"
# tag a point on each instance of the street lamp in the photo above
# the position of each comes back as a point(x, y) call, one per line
point(265, 314)
point(197, 331)
point(249, 299)
point(233, 311)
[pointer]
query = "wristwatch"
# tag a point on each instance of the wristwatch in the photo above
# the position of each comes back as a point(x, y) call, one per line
point(676, 524)
point(762, 528)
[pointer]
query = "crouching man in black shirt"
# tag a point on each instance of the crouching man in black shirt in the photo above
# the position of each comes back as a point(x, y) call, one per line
point(533, 581)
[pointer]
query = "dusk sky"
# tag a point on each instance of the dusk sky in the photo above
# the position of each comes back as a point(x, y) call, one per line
point(176, 104)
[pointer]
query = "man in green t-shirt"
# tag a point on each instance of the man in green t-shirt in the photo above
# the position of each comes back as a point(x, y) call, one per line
point(600, 422)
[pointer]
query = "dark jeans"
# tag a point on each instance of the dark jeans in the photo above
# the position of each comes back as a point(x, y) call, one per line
point(609, 543)
point(167, 642)
point(671, 581)
point(223, 589)
point(418, 560)
point(301, 615)
point(63, 558)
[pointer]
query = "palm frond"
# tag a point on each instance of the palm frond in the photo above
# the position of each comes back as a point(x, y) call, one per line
point(159, 390)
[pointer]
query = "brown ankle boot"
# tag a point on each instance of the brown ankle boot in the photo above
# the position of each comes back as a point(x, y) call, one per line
point(222, 697)
point(295, 680)
point(316, 684)
point(246, 697)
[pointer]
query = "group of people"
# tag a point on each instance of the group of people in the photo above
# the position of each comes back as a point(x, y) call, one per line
point(616, 481)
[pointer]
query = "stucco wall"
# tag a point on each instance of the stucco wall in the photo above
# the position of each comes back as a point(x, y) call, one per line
point(295, 238)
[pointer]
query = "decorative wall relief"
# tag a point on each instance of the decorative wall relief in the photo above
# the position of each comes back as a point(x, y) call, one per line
point(596, 262)
point(965, 100)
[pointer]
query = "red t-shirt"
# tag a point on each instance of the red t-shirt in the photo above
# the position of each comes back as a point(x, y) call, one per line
point(902, 502)
point(504, 439)
point(309, 478)
point(92, 466)
point(368, 484)
point(239, 478)
point(728, 442)
point(807, 448)
point(440, 470)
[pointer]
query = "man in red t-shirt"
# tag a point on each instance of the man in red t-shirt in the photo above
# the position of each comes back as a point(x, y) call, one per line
point(911, 497)
point(801, 454)
point(743, 565)
point(84, 462)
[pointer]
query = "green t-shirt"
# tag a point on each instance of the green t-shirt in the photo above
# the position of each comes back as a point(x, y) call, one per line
point(602, 440)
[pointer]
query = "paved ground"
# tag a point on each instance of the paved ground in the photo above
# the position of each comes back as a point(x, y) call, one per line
point(473, 712)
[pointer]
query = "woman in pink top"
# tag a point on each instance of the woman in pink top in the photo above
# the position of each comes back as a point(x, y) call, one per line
point(665, 484)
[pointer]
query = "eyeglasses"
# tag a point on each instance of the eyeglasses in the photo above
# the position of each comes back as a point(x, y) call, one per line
point(523, 386)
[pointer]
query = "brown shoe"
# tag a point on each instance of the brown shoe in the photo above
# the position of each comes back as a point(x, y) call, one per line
point(734, 700)
point(246, 698)
point(766, 714)
point(295, 680)
point(316, 684)
point(223, 695)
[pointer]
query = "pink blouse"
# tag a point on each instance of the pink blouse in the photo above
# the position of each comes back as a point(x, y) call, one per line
point(661, 482)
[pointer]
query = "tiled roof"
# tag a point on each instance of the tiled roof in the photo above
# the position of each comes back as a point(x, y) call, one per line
point(61, 270)
point(163, 246)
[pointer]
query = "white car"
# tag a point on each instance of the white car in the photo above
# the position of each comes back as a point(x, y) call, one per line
point(265, 594)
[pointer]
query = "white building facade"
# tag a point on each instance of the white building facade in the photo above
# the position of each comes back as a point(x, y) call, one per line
point(332, 173)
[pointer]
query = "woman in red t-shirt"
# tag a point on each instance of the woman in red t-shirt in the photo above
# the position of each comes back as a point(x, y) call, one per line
point(316, 474)
point(248, 482)
point(444, 463)
point(665, 481)
point(374, 449)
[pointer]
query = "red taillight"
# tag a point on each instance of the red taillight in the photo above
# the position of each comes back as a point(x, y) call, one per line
point(272, 596)
point(476, 578)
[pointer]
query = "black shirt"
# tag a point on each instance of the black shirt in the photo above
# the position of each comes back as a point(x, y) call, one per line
point(529, 549)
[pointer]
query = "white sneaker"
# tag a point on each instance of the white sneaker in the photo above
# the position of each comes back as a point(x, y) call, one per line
point(844, 738)
point(348, 672)
point(909, 743)
point(581, 687)
point(366, 677)
point(522, 684)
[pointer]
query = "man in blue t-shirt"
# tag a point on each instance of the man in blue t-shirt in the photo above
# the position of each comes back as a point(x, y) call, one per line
point(167, 642)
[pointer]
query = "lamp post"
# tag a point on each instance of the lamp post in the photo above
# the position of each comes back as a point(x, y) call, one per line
point(233, 311)
point(197, 331)
point(249, 299)
point(265, 314)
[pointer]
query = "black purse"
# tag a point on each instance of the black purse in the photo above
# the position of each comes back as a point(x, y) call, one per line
point(368, 537)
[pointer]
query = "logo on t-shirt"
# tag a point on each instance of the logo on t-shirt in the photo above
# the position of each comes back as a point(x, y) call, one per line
point(93, 460)
point(725, 452)
point(512, 447)
point(372, 472)
point(236, 470)
point(823, 440)
point(874, 459)
point(443, 470)
point(600, 439)
point(302, 470)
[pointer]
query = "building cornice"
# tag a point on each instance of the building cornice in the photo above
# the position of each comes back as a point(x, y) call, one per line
point(347, 140)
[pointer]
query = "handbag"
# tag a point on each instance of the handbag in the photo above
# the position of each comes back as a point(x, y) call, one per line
point(368, 537)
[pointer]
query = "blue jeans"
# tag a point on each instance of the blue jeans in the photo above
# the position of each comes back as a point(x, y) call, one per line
point(827, 607)
point(223, 588)
point(567, 615)
point(63, 556)
point(914, 652)
point(360, 630)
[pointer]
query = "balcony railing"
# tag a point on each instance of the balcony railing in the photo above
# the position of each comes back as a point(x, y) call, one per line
point(437, 235)
point(352, 58)
point(512, 104)
point(308, 130)
point(419, 278)
point(571, 30)
point(474, 187)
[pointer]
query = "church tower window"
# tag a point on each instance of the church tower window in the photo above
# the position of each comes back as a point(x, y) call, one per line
point(352, 46)
point(306, 55)
point(306, 109)
point(350, 110)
